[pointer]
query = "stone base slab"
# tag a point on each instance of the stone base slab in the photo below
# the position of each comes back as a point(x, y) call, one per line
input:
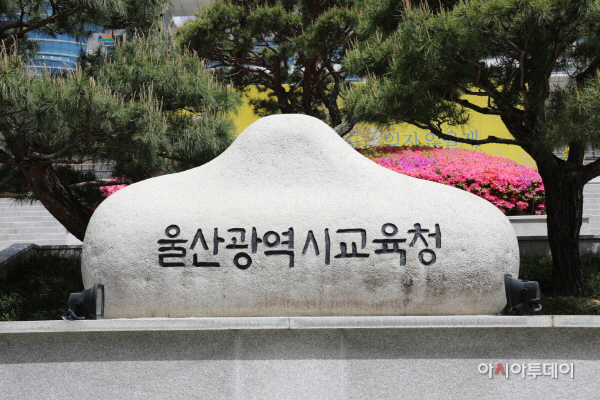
point(300, 358)
point(539, 246)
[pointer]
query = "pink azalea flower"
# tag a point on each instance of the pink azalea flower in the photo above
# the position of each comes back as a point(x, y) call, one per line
point(501, 181)
point(108, 190)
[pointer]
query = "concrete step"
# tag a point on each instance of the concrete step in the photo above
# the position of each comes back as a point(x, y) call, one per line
point(15, 204)
point(29, 221)
point(29, 224)
point(41, 242)
point(24, 225)
point(32, 229)
point(12, 210)
point(24, 222)
point(19, 215)
point(25, 213)
point(33, 237)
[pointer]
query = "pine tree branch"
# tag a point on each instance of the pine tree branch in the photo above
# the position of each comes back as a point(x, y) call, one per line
point(475, 142)
point(68, 162)
point(345, 127)
point(12, 25)
point(55, 155)
point(7, 159)
point(246, 65)
point(10, 178)
point(548, 71)
point(522, 53)
point(471, 106)
point(471, 93)
point(22, 32)
point(492, 92)
point(101, 183)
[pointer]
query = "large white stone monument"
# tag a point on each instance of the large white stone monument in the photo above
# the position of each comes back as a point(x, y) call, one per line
point(291, 221)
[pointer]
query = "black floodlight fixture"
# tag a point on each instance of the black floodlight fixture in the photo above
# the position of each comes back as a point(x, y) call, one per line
point(522, 295)
point(89, 303)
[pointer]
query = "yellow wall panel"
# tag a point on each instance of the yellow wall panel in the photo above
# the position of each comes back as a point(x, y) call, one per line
point(480, 126)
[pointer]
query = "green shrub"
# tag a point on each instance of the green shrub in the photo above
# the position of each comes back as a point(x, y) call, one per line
point(540, 269)
point(39, 288)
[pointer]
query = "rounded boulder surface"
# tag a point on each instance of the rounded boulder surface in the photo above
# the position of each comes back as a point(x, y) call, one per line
point(291, 221)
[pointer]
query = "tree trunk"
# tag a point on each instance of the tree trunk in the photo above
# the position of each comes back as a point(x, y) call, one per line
point(57, 199)
point(564, 206)
point(345, 127)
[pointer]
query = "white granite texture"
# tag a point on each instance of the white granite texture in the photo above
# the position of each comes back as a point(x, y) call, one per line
point(295, 187)
point(433, 357)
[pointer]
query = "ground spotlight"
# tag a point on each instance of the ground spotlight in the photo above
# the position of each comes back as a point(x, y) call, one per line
point(89, 303)
point(522, 295)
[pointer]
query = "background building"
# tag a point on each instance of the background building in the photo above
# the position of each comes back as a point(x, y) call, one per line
point(58, 53)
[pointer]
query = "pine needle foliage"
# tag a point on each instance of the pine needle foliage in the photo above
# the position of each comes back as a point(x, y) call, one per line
point(22, 19)
point(289, 49)
point(436, 67)
point(145, 106)
point(197, 111)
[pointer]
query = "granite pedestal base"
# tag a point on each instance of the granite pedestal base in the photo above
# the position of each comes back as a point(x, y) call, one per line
point(301, 358)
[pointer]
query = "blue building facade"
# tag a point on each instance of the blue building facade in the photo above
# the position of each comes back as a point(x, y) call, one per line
point(58, 53)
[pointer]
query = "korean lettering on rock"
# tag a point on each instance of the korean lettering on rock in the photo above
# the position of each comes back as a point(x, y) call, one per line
point(353, 244)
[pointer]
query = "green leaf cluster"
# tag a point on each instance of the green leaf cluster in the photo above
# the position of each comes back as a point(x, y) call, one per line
point(291, 48)
point(147, 107)
point(197, 112)
point(23, 18)
point(39, 288)
point(539, 269)
point(573, 115)
point(531, 63)
point(502, 51)
point(383, 16)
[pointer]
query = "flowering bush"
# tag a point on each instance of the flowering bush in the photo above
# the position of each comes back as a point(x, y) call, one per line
point(513, 188)
point(108, 190)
